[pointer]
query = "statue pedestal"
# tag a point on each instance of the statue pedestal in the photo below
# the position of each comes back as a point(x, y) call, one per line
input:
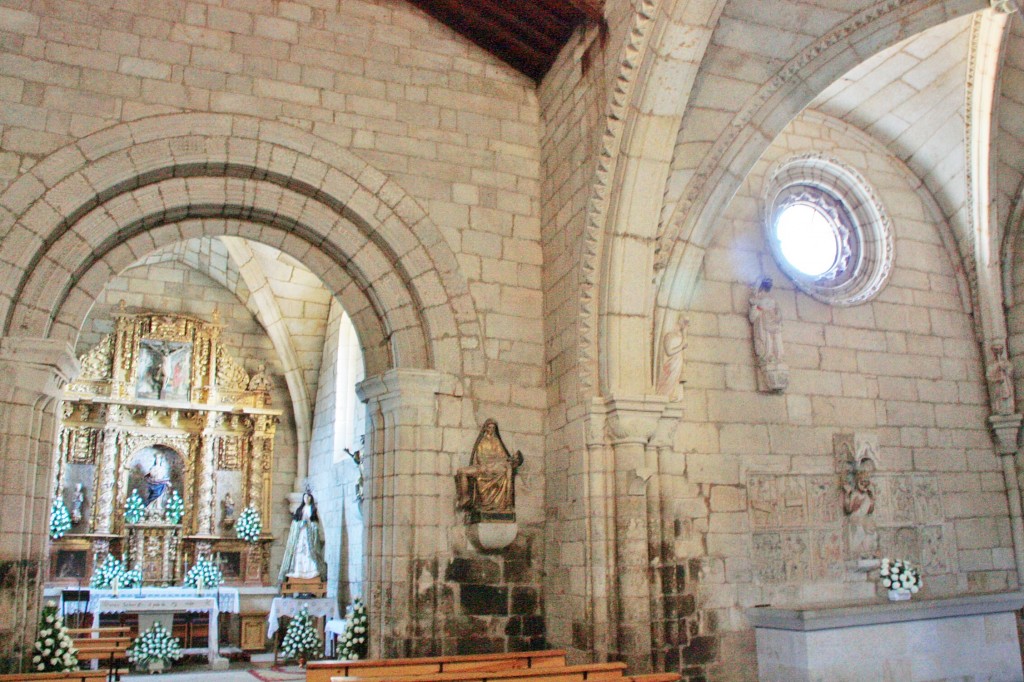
point(493, 535)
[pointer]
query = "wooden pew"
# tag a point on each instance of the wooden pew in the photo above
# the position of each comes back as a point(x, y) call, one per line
point(323, 671)
point(77, 675)
point(592, 672)
point(106, 650)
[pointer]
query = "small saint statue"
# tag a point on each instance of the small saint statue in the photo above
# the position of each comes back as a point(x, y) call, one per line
point(859, 507)
point(304, 551)
point(227, 506)
point(1000, 377)
point(77, 503)
point(487, 485)
point(670, 376)
point(766, 320)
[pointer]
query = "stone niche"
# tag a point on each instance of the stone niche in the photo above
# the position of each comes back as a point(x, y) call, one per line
point(163, 408)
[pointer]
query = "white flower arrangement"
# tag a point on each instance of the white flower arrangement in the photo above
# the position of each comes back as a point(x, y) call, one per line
point(205, 574)
point(155, 644)
point(899, 574)
point(301, 640)
point(249, 525)
point(134, 508)
point(175, 508)
point(113, 573)
point(354, 642)
point(60, 519)
point(53, 651)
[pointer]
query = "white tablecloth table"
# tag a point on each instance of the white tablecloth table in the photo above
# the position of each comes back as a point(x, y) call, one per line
point(154, 607)
point(322, 607)
point(334, 627)
point(227, 597)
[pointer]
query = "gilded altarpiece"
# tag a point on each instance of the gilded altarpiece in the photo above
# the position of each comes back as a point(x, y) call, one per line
point(164, 410)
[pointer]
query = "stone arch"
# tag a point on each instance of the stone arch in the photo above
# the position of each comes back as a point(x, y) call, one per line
point(99, 204)
point(690, 225)
point(679, 241)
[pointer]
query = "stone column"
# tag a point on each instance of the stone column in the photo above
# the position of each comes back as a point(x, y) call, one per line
point(632, 422)
point(406, 527)
point(1006, 432)
point(35, 372)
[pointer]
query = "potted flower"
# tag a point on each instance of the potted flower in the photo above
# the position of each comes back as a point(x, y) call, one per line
point(249, 525)
point(900, 578)
point(154, 649)
point(205, 574)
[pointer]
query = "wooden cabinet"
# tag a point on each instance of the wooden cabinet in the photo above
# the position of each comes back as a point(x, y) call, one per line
point(254, 630)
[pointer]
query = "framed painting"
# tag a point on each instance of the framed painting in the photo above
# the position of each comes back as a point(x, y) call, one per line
point(164, 370)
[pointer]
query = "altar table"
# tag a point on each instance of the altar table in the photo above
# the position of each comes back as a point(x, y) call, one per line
point(967, 637)
point(150, 610)
point(322, 607)
point(227, 597)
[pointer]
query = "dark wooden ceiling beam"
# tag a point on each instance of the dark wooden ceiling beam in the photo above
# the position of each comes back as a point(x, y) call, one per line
point(540, 26)
point(528, 34)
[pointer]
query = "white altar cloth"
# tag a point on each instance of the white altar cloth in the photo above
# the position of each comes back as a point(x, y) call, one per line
point(290, 606)
point(227, 597)
point(168, 605)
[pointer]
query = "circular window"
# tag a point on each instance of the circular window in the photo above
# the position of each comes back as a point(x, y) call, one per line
point(827, 230)
point(807, 238)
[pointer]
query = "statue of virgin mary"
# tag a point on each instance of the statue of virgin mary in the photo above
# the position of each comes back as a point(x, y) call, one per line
point(304, 552)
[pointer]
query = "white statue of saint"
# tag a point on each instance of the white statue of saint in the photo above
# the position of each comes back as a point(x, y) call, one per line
point(767, 322)
point(1000, 376)
point(304, 551)
point(670, 374)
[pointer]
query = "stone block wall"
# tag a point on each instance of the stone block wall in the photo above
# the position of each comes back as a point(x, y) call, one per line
point(450, 125)
point(753, 487)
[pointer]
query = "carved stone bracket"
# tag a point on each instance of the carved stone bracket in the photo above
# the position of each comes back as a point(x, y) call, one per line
point(1005, 432)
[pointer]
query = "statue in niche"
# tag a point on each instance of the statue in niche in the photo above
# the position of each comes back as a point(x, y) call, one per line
point(77, 503)
point(766, 320)
point(670, 375)
point(859, 507)
point(487, 485)
point(227, 507)
point(1000, 377)
point(304, 551)
point(156, 482)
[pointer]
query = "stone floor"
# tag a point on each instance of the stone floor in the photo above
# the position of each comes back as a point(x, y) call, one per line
point(240, 674)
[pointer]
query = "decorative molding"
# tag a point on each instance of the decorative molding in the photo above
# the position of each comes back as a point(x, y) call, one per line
point(622, 88)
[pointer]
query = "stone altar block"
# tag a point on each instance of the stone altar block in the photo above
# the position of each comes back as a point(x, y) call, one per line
point(971, 637)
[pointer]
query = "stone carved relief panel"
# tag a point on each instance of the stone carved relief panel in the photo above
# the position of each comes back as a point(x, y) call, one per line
point(798, 528)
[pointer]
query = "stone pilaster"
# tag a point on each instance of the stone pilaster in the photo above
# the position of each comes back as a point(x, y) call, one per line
point(1006, 433)
point(35, 371)
point(406, 531)
point(635, 426)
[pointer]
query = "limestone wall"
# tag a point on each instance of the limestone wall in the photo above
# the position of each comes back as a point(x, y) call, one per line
point(753, 488)
point(435, 118)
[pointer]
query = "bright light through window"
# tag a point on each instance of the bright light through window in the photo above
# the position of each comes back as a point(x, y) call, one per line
point(807, 239)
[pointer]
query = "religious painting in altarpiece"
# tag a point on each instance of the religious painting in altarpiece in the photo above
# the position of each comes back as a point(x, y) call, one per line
point(162, 436)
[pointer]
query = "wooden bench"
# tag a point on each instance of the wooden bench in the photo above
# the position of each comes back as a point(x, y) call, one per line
point(110, 647)
point(569, 673)
point(323, 671)
point(74, 675)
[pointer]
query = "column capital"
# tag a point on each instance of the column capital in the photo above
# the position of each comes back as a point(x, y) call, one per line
point(401, 386)
point(43, 365)
point(634, 418)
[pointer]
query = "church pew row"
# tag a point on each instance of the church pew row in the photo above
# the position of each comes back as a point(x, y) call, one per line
point(552, 675)
point(81, 675)
point(323, 671)
point(592, 672)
